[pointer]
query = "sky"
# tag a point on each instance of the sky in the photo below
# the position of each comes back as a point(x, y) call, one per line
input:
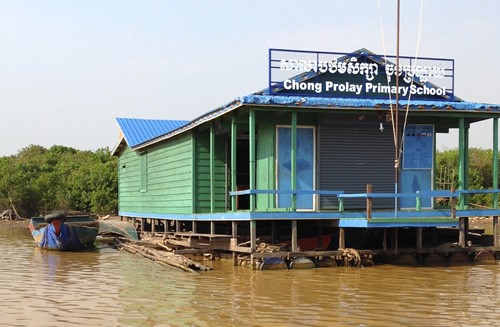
point(70, 68)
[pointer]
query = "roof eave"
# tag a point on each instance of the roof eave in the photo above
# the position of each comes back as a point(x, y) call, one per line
point(211, 115)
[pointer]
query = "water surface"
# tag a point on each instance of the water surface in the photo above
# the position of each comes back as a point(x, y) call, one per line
point(107, 287)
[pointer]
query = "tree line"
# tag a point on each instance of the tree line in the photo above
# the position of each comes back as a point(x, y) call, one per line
point(37, 180)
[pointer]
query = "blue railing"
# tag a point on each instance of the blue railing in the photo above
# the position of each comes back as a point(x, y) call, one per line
point(453, 196)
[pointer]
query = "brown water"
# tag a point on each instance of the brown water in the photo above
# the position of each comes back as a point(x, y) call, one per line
point(111, 288)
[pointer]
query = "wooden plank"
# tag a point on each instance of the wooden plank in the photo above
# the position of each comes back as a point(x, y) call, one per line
point(200, 235)
point(308, 254)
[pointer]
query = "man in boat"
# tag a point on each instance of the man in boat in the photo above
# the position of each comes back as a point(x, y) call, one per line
point(58, 235)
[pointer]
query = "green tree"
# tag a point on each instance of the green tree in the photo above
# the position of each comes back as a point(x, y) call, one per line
point(38, 180)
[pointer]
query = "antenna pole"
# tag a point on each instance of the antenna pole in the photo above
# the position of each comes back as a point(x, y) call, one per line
point(396, 118)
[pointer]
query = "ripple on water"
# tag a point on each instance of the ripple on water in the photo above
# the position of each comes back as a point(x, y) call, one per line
point(106, 287)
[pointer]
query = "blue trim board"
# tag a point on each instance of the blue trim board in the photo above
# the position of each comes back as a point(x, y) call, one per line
point(358, 219)
point(386, 223)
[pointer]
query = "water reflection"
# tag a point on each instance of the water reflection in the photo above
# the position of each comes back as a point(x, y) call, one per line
point(106, 287)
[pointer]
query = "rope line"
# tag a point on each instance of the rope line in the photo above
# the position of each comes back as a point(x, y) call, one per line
point(419, 36)
point(388, 85)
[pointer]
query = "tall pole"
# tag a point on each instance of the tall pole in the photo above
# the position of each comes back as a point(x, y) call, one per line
point(396, 118)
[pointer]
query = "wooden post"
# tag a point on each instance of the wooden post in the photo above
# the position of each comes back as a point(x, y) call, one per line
point(418, 202)
point(496, 240)
point(234, 240)
point(419, 238)
point(384, 240)
point(274, 237)
point(193, 226)
point(462, 168)
point(165, 226)
point(234, 140)
point(319, 234)
point(466, 224)
point(496, 232)
point(293, 160)
point(177, 226)
point(461, 233)
point(234, 229)
point(153, 227)
point(212, 167)
point(396, 240)
point(495, 162)
point(294, 236)
point(253, 241)
point(368, 202)
point(341, 238)
point(453, 203)
point(252, 163)
point(212, 227)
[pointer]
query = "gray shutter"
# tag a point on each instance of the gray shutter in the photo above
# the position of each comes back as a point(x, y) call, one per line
point(352, 156)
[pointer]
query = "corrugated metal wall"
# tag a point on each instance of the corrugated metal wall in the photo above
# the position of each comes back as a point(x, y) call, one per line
point(352, 156)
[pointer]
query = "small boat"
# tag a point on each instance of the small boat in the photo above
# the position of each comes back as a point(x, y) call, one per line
point(57, 231)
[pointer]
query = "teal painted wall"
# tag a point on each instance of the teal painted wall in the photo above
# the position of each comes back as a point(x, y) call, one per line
point(266, 159)
point(164, 185)
point(266, 152)
point(202, 195)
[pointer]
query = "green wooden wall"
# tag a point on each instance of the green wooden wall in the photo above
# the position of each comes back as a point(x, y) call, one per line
point(266, 152)
point(202, 190)
point(158, 180)
point(266, 161)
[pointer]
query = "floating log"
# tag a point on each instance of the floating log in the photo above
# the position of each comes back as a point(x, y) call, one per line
point(161, 256)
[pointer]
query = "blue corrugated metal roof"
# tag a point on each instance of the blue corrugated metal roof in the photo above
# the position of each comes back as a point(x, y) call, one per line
point(326, 103)
point(138, 131)
point(363, 103)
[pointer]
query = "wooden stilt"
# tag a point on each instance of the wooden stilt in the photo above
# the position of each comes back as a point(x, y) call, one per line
point(396, 239)
point(466, 220)
point(234, 240)
point(368, 202)
point(419, 238)
point(253, 241)
point(319, 234)
point(461, 232)
point(274, 237)
point(153, 226)
point(384, 240)
point(212, 227)
point(195, 227)
point(165, 226)
point(294, 236)
point(341, 238)
point(234, 229)
point(496, 232)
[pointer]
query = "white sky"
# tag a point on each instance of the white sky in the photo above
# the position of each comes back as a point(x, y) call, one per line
point(69, 68)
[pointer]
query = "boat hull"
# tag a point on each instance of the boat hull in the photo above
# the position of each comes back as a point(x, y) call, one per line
point(77, 233)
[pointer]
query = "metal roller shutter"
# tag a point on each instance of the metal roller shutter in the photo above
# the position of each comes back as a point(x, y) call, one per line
point(352, 156)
